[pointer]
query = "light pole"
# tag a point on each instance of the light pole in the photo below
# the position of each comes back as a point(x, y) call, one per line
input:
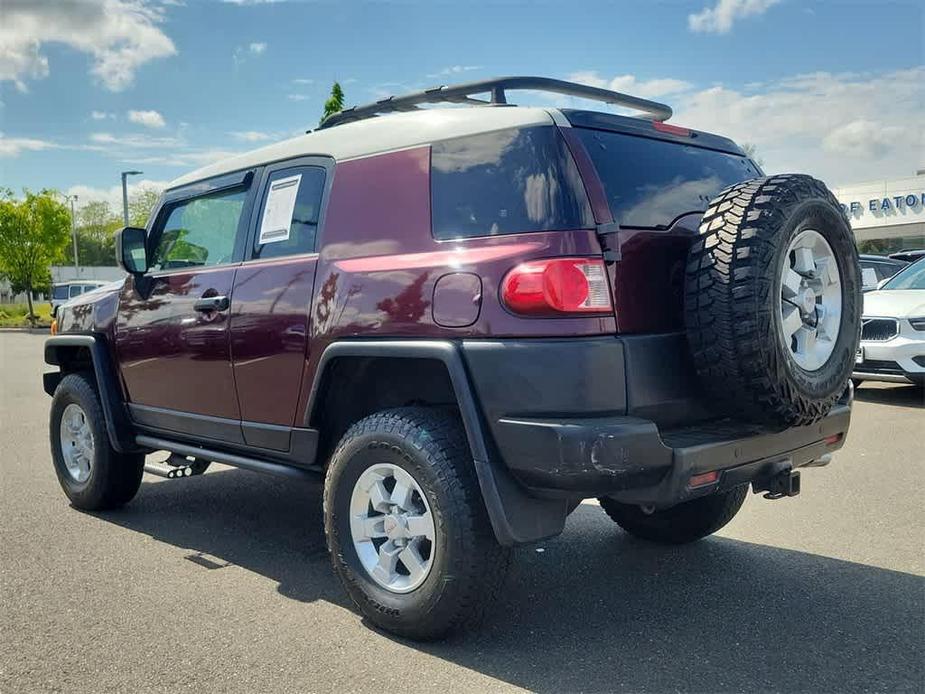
point(72, 199)
point(126, 174)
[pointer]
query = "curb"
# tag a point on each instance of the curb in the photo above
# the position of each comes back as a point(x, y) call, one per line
point(33, 331)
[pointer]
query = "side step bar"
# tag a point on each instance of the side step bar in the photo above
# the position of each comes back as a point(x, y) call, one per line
point(225, 458)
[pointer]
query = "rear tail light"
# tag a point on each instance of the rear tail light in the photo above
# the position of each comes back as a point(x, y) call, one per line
point(557, 286)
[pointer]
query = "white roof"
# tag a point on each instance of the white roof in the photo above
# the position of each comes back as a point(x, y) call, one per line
point(381, 134)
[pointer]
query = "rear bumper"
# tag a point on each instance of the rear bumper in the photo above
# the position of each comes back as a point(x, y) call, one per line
point(630, 460)
point(624, 418)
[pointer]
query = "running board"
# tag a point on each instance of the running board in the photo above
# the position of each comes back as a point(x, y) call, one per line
point(225, 458)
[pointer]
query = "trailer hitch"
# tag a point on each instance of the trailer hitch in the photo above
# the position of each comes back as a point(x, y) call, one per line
point(779, 481)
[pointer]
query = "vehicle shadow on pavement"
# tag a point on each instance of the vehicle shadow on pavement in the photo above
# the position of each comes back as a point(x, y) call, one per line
point(596, 610)
point(902, 396)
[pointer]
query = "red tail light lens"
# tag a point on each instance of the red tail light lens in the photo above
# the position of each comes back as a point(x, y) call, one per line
point(557, 286)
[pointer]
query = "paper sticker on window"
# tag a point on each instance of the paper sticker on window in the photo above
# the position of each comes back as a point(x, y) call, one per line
point(868, 277)
point(277, 213)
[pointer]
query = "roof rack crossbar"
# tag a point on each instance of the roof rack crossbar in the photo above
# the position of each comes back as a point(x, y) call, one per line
point(497, 88)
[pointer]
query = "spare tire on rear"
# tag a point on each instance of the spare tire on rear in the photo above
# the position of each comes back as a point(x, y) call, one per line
point(772, 300)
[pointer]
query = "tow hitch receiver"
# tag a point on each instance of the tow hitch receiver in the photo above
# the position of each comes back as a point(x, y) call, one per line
point(782, 481)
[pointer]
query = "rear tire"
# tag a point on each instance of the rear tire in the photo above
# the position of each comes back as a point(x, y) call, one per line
point(93, 475)
point(463, 566)
point(679, 524)
point(772, 300)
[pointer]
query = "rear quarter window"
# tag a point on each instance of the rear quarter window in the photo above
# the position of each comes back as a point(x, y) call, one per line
point(506, 182)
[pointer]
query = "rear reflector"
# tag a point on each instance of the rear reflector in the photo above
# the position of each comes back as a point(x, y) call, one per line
point(703, 479)
point(557, 286)
point(673, 129)
point(832, 440)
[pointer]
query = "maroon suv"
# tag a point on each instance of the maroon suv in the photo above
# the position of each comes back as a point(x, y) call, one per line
point(467, 320)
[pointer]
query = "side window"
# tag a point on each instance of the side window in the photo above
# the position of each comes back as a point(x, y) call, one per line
point(506, 182)
point(200, 231)
point(288, 220)
point(75, 290)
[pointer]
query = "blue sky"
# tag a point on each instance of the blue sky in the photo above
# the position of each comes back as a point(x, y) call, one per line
point(95, 87)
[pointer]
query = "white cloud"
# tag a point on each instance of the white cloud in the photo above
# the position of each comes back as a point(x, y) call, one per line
point(302, 80)
point(149, 119)
point(455, 70)
point(250, 135)
point(251, 2)
point(113, 194)
point(296, 97)
point(720, 18)
point(120, 35)
point(842, 128)
point(252, 50)
point(863, 138)
point(630, 85)
point(135, 141)
point(12, 146)
point(101, 115)
point(192, 158)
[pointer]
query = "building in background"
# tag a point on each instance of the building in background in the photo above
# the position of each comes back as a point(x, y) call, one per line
point(887, 216)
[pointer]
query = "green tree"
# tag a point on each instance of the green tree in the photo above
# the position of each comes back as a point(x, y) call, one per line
point(96, 226)
point(335, 102)
point(140, 204)
point(33, 234)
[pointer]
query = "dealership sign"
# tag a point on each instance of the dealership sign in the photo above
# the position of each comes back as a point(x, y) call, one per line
point(897, 202)
point(868, 207)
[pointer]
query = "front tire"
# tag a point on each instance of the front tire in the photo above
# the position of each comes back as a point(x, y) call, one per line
point(406, 526)
point(93, 475)
point(679, 524)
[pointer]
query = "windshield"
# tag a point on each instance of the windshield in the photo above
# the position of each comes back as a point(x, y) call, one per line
point(912, 277)
point(649, 183)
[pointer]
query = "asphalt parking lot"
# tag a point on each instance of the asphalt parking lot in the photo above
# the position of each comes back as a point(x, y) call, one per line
point(221, 583)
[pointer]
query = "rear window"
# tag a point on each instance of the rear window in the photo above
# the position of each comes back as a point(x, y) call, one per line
point(650, 183)
point(506, 182)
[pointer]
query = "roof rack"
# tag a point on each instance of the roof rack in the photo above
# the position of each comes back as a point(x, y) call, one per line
point(463, 94)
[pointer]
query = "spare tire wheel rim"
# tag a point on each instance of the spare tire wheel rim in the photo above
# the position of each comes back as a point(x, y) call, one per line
point(392, 528)
point(810, 300)
point(77, 445)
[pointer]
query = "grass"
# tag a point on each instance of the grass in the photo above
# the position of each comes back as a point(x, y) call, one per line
point(15, 315)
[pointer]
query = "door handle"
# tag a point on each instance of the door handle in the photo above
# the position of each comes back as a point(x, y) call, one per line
point(212, 303)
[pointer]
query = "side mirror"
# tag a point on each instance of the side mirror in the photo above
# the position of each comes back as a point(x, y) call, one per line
point(131, 254)
point(882, 282)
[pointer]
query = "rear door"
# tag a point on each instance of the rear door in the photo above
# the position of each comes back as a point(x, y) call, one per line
point(657, 186)
point(172, 332)
point(272, 300)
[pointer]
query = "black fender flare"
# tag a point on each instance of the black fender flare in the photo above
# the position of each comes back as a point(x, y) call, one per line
point(516, 516)
point(57, 351)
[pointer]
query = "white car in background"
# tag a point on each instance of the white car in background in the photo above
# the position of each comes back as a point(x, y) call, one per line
point(65, 291)
point(893, 330)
